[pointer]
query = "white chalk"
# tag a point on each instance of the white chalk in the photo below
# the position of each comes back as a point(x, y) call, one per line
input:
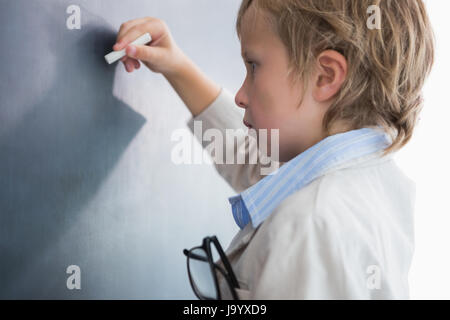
point(116, 55)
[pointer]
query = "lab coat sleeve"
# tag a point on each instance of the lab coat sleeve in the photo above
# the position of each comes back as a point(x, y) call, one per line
point(304, 259)
point(223, 114)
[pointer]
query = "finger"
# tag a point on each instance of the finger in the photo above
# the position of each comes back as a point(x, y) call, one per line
point(152, 25)
point(125, 65)
point(128, 66)
point(142, 52)
point(124, 27)
point(137, 64)
point(128, 58)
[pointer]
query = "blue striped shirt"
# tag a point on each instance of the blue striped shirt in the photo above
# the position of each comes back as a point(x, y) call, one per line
point(256, 203)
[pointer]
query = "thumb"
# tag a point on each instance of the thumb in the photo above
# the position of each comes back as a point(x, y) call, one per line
point(140, 52)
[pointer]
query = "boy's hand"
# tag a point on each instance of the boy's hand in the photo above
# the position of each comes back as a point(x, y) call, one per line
point(161, 55)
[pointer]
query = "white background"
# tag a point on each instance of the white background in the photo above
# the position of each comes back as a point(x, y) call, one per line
point(426, 160)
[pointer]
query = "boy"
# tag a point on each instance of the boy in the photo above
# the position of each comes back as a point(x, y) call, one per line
point(336, 220)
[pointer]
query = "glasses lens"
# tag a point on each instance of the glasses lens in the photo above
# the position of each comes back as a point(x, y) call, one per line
point(201, 274)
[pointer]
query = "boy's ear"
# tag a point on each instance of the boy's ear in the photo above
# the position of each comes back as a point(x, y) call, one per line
point(331, 72)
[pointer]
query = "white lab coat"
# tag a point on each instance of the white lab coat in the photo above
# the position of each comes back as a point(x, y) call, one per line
point(347, 235)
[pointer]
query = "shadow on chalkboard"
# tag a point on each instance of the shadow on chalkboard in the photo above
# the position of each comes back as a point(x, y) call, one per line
point(55, 159)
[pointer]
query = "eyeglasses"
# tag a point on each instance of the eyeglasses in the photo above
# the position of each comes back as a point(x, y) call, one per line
point(203, 271)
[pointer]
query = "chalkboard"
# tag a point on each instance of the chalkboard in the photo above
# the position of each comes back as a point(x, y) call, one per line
point(86, 176)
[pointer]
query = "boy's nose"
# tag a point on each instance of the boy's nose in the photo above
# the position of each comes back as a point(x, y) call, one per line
point(239, 101)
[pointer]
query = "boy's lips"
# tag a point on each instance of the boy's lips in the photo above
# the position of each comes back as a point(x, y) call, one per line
point(248, 125)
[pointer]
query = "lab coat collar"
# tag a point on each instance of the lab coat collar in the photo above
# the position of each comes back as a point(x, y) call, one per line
point(258, 202)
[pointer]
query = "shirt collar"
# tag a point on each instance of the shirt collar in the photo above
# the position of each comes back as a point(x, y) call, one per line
point(256, 203)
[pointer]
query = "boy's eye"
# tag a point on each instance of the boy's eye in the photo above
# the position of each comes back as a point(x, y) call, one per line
point(252, 65)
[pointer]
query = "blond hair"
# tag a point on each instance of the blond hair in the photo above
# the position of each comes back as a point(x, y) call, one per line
point(387, 67)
